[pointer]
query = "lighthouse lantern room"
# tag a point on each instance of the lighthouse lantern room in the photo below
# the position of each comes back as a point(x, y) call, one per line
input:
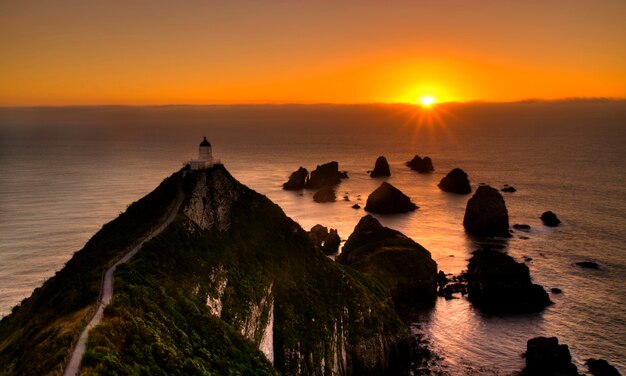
point(205, 156)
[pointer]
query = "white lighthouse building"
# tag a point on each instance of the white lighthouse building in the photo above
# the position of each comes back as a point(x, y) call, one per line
point(205, 156)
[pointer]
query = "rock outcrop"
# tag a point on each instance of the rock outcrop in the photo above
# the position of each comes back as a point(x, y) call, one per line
point(521, 227)
point(588, 265)
point(600, 367)
point(421, 165)
point(455, 182)
point(550, 219)
point(381, 168)
point(388, 199)
point(297, 180)
point(486, 214)
point(325, 175)
point(326, 194)
point(508, 188)
point(497, 283)
point(545, 356)
point(398, 263)
point(324, 239)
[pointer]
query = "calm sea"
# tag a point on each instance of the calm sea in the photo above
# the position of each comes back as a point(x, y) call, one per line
point(65, 172)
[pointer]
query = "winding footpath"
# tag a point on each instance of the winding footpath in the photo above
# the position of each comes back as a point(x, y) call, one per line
point(73, 366)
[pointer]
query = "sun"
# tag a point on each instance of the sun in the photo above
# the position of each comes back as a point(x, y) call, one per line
point(427, 101)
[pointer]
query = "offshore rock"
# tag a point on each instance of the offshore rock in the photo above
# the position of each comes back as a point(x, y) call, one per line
point(486, 214)
point(423, 166)
point(600, 367)
point(297, 180)
point(455, 182)
point(324, 239)
point(545, 356)
point(326, 174)
point(550, 219)
point(326, 194)
point(588, 265)
point(497, 283)
point(381, 168)
point(388, 199)
point(508, 188)
point(402, 266)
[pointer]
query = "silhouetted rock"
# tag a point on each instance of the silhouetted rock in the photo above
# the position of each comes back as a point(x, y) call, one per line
point(486, 214)
point(297, 180)
point(423, 166)
point(600, 367)
point(388, 199)
point(521, 227)
point(588, 265)
point(356, 206)
point(342, 174)
point(326, 174)
point(403, 267)
point(455, 182)
point(326, 240)
point(556, 290)
point(381, 168)
point(508, 188)
point(544, 356)
point(550, 219)
point(497, 283)
point(326, 194)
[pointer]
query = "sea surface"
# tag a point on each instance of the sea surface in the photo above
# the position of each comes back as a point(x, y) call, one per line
point(64, 172)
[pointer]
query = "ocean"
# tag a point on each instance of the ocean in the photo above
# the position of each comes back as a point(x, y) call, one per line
point(64, 172)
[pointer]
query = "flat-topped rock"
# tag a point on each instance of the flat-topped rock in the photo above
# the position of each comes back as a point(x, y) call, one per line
point(297, 180)
point(381, 168)
point(456, 181)
point(486, 214)
point(388, 199)
point(421, 165)
point(324, 175)
point(546, 357)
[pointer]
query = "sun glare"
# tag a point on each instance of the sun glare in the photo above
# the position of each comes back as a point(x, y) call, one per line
point(427, 101)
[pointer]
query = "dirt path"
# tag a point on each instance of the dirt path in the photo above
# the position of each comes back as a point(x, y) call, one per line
point(73, 366)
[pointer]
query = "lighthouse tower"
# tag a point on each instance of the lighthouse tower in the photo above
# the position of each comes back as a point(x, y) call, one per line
point(205, 156)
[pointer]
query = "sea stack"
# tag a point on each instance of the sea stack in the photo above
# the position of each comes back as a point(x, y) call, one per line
point(455, 182)
point(388, 199)
point(423, 166)
point(297, 180)
point(324, 175)
point(545, 356)
point(486, 214)
point(550, 219)
point(326, 194)
point(381, 168)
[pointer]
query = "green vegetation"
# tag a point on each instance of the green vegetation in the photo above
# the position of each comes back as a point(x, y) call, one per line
point(36, 338)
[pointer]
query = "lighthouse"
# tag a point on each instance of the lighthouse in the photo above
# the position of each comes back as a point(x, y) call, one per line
point(205, 156)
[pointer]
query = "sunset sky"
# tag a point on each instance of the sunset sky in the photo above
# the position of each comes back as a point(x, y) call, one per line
point(202, 52)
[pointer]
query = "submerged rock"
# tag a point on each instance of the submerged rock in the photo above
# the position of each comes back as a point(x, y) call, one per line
point(381, 168)
point(545, 356)
point(324, 239)
point(588, 265)
point(423, 166)
point(326, 174)
point(521, 227)
point(600, 367)
point(556, 290)
point(508, 188)
point(486, 214)
point(326, 194)
point(388, 199)
point(401, 265)
point(550, 219)
point(497, 283)
point(455, 182)
point(297, 180)
point(356, 206)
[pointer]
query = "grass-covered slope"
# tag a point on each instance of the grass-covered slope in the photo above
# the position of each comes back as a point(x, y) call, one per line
point(36, 337)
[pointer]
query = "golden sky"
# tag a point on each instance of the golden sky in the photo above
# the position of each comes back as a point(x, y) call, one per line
point(200, 52)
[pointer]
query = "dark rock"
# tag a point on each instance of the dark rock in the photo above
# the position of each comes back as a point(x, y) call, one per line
point(521, 227)
point(600, 367)
point(486, 214)
point(326, 194)
point(508, 188)
point(423, 166)
point(588, 265)
point(442, 280)
point(455, 182)
point(556, 290)
point(550, 219)
point(356, 206)
point(497, 283)
point(297, 180)
point(388, 199)
point(346, 198)
point(381, 168)
point(528, 259)
point(324, 175)
point(343, 174)
point(326, 240)
point(544, 356)
point(403, 267)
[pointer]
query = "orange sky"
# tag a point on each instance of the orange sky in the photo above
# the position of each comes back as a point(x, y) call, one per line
point(160, 52)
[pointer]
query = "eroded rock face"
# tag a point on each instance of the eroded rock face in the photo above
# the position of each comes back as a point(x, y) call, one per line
point(326, 194)
point(545, 356)
point(497, 283)
point(486, 214)
point(325, 175)
point(381, 168)
point(455, 182)
point(326, 240)
point(297, 180)
point(421, 165)
point(550, 219)
point(388, 199)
